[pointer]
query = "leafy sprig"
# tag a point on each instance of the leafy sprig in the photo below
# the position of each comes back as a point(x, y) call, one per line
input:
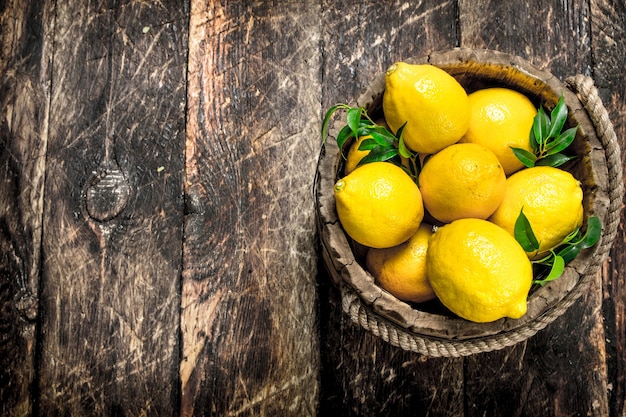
point(382, 144)
point(551, 266)
point(547, 140)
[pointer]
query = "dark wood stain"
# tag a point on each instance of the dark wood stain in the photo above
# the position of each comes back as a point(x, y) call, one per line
point(158, 253)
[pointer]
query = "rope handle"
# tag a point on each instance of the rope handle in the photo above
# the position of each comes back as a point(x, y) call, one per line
point(587, 93)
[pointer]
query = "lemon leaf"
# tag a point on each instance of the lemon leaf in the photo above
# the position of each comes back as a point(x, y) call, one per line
point(327, 117)
point(382, 130)
point(383, 145)
point(574, 242)
point(592, 236)
point(368, 144)
point(541, 125)
point(561, 142)
point(568, 253)
point(379, 154)
point(534, 146)
point(403, 150)
point(555, 160)
point(384, 139)
point(556, 270)
point(558, 116)
point(344, 134)
point(524, 234)
point(400, 130)
point(353, 118)
point(527, 158)
point(547, 139)
point(573, 235)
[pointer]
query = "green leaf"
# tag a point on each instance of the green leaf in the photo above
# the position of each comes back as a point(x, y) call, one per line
point(365, 122)
point(594, 231)
point(573, 243)
point(561, 142)
point(403, 150)
point(327, 118)
point(558, 116)
point(555, 160)
point(572, 237)
point(527, 158)
point(382, 130)
point(534, 146)
point(524, 234)
point(558, 266)
point(379, 154)
point(353, 118)
point(384, 139)
point(541, 125)
point(557, 269)
point(568, 253)
point(400, 130)
point(368, 144)
point(344, 134)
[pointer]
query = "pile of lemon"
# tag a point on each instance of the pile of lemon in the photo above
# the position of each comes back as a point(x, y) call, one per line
point(448, 233)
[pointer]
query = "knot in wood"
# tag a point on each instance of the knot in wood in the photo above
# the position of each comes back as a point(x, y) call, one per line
point(107, 194)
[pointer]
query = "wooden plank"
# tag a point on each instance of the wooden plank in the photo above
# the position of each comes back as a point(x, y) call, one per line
point(561, 370)
point(114, 210)
point(24, 98)
point(552, 35)
point(248, 294)
point(608, 35)
point(361, 374)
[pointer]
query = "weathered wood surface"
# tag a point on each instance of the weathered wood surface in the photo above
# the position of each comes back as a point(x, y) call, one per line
point(158, 252)
point(113, 212)
point(248, 285)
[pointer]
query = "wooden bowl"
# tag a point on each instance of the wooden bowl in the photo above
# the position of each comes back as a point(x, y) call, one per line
point(429, 328)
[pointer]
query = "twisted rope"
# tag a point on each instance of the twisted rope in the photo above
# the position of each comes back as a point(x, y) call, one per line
point(360, 314)
point(588, 95)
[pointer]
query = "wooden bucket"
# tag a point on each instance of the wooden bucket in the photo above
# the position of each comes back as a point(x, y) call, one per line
point(428, 328)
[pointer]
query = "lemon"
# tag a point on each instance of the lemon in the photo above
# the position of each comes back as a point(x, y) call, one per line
point(462, 180)
point(379, 205)
point(401, 270)
point(430, 101)
point(479, 271)
point(355, 155)
point(552, 202)
point(500, 119)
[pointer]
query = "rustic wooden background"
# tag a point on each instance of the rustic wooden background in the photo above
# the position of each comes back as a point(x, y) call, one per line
point(158, 253)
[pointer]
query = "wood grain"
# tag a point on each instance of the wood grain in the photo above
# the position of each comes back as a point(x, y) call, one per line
point(551, 34)
point(248, 296)
point(114, 210)
point(24, 99)
point(608, 34)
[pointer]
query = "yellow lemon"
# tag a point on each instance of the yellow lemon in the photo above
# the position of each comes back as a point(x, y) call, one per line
point(379, 205)
point(552, 202)
point(355, 155)
point(501, 119)
point(479, 271)
point(401, 270)
point(463, 180)
point(430, 101)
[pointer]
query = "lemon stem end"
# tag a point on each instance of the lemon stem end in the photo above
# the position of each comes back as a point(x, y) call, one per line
point(339, 185)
